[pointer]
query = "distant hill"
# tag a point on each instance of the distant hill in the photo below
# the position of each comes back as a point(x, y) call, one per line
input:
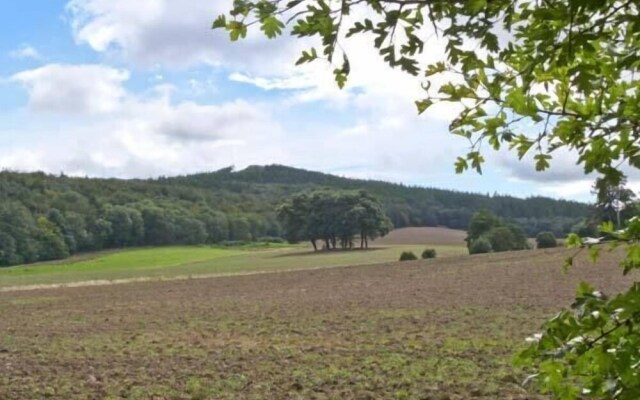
point(406, 205)
point(44, 217)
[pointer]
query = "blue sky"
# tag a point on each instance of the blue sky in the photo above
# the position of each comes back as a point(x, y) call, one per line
point(144, 88)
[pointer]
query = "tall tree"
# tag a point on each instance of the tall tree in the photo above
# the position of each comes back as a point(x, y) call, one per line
point(614, 203)
point(371, 220)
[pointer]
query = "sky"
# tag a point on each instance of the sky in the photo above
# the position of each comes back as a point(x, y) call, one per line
point(121, 88)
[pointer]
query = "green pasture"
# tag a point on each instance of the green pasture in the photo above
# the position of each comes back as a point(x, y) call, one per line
point(173, 262)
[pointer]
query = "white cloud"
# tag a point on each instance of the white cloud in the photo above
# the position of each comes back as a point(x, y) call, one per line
point(578, 189)
point(563, 167)
point(294, 82)
point(191, 122)
point(149, 141)
point(201, 87)
point(171, 33)
point(73, 89)
point(142, 135)
point(25, 51)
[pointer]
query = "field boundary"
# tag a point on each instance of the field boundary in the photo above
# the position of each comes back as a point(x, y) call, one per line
point(142, 279)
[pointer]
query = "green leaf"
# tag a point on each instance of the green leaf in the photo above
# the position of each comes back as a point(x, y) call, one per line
point(272, 27)
point(542, 161)
point(490, 42)
point(476, 5)
point(341, 77)
point(573, 240)
point(307, 56)
point(568, 263)
point(220, 22)
point(476, 161)
point(423, 105)
point(237, 30)
point(461, 165)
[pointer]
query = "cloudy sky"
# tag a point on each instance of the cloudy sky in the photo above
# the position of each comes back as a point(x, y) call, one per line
point(142, 88)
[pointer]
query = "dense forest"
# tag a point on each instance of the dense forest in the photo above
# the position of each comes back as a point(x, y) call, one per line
point(405, 205)
point(45, 217)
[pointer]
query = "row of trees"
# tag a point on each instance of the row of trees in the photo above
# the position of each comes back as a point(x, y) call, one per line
point(27, 238)
point(488, 233)
point(335, 218)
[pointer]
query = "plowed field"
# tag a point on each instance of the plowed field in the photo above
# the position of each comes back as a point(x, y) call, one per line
point(438, 329)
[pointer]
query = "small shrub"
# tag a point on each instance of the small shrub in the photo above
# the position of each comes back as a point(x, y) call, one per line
point(481, 245)
point(429, 253)
point(407, 256)
point(546, 240)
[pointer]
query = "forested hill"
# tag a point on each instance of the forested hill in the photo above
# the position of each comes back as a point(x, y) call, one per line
point(44, 217)
point(405, 205)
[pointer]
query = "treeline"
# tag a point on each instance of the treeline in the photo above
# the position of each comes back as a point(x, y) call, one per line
point(405, 205)
point(336, 218)
point(44, 217)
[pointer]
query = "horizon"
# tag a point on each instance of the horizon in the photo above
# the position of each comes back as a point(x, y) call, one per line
point(104, 89)
point(237, 170)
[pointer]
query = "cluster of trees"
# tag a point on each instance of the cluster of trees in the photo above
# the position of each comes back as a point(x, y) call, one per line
point(487, 233)
point(336, 218)
point(546, 240)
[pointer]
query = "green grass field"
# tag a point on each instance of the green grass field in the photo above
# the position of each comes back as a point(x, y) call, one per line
point(174, 262)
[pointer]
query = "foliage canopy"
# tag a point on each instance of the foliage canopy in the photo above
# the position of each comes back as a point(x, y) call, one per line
point(546, 240)
point(485, 228)
point(429, 253)
point(408, 256)
point(336, 218)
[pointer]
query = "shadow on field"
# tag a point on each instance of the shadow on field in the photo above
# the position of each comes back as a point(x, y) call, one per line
point(327, 252)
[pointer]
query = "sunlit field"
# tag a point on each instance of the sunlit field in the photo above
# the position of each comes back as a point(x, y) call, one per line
point(191, 262)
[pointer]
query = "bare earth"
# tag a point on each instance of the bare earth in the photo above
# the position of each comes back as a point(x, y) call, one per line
point(424, 235)
point(438, 329)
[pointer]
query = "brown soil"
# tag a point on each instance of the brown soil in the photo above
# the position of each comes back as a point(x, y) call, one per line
point(426, 236)
point(438, 329)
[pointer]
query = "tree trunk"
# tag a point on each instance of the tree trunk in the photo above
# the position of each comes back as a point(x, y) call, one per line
point(315, 246)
